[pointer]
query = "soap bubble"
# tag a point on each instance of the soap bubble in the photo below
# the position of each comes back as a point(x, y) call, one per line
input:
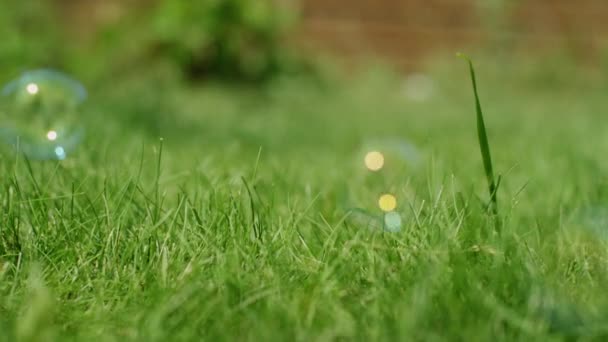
point(594, 218)
point(379, 152)
point(390, 222)
point(39, 114)
point(364, 219)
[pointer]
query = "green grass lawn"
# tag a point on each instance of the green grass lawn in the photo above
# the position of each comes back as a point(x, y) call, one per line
point(255, 218)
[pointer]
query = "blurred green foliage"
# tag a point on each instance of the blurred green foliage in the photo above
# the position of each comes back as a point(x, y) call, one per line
point(236, 39)
point(29, 36)
point(232, 38)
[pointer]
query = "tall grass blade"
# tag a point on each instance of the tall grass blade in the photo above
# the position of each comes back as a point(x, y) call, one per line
point(483, 142)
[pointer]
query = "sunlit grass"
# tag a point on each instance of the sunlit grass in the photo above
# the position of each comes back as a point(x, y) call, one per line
point(239, 224)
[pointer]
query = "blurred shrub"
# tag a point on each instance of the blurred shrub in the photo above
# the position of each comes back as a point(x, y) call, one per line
point(229, 38)
point(237, 39)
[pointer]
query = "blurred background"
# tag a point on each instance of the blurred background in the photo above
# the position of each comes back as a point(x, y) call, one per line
point(251, 40)
point(259, 73)
point(407, 31)
point(302, 91)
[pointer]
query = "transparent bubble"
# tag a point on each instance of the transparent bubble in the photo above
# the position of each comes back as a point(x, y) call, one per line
point(594, 218)
point(40, 114)
point(390, 222)
point(395, 149)
point(364, 219)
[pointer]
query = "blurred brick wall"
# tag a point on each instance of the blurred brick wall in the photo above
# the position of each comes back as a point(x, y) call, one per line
point(82, 18)
point(404, 31)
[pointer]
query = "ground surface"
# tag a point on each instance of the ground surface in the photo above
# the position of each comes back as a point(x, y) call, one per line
point(260, 222)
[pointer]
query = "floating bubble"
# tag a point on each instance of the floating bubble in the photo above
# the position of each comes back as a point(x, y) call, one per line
point(387, 202)
point(389, 222)
point(40, 114)
point(392, 222)
point(364, 219)
point(396, 149)
point(595, 219)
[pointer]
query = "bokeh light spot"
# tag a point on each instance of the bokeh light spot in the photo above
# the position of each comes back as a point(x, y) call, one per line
point(60, 153)
point(374, 160)
point(387, 202)
point(32, 88)
point(51, 135)
point(392, 222)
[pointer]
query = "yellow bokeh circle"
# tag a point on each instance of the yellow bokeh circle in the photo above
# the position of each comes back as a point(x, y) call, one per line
point(387, 202)
point(374, 160)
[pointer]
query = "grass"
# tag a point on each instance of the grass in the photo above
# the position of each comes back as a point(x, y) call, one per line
point(484, 145)
point(258, 220)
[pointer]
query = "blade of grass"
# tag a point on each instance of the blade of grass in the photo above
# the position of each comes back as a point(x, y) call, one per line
point(484, 145)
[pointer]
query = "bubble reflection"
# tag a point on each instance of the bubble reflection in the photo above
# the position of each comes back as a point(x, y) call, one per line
point(32, 88)
point(51, 135)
